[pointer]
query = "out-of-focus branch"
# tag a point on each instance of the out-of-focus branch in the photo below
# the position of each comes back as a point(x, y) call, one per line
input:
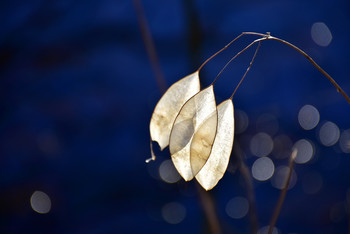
point(251, 197)
point(194, 41)
point(194, 32)
point(149, 44)
point(209, 209)
point(282, 197)
point(348, 222)
point(248, 183)
point(269, 37)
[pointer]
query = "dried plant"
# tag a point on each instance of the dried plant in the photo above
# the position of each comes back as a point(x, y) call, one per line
point(199, 134)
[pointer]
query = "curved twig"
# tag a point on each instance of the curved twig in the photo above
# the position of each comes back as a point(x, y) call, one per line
point(269, 37)
point(250, 65)
point(226, 46)
point(239, 53)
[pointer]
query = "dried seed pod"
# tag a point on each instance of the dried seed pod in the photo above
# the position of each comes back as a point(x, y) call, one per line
point(168, 107)
point(193, 117)
point(219, 157)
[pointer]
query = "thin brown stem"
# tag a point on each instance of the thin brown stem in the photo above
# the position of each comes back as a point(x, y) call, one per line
point(249, 187)
point(150, 47)
point(152, 55)
point(206, 61)
point(348, 222)
point(234, 57)
point(269, 37)
point(282, 196)
point(209, 210)
point(250, 65)
point(205, 198)
point(153, 156)
point(251, 197)
point(226, 46)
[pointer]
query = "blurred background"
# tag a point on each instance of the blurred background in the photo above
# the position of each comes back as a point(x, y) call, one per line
point(77, 93)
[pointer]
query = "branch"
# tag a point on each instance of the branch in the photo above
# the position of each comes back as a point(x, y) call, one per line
point(282, 197)
point(149, 44)
point(248, 182)
point(209, 210)
point(250, 65)
point(269, 37)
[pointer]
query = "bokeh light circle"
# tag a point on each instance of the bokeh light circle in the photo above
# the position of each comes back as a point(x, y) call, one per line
point(168, 172)
point(305, 151)
point(261, 144)
point(321, 34)
point(329, 134)
point(173, 212)
point(344, 141)
point(241, 121)
point(40, 202)
point(263, 168)
point(308, 117)
point(237, 207)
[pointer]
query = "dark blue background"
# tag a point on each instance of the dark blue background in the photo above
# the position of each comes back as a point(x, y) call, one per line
point(77, 93)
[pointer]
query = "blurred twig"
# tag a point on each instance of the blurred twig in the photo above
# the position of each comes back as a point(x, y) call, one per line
point(209, 209)
point(267, 36)
point(348, 223)
point(194, 40)
point(251, 197)
point(250, 65)
point(149, 44)
point(248, 182)
point(282, 197)
point(193, 31)
point(152, 55)
point(206, 200)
